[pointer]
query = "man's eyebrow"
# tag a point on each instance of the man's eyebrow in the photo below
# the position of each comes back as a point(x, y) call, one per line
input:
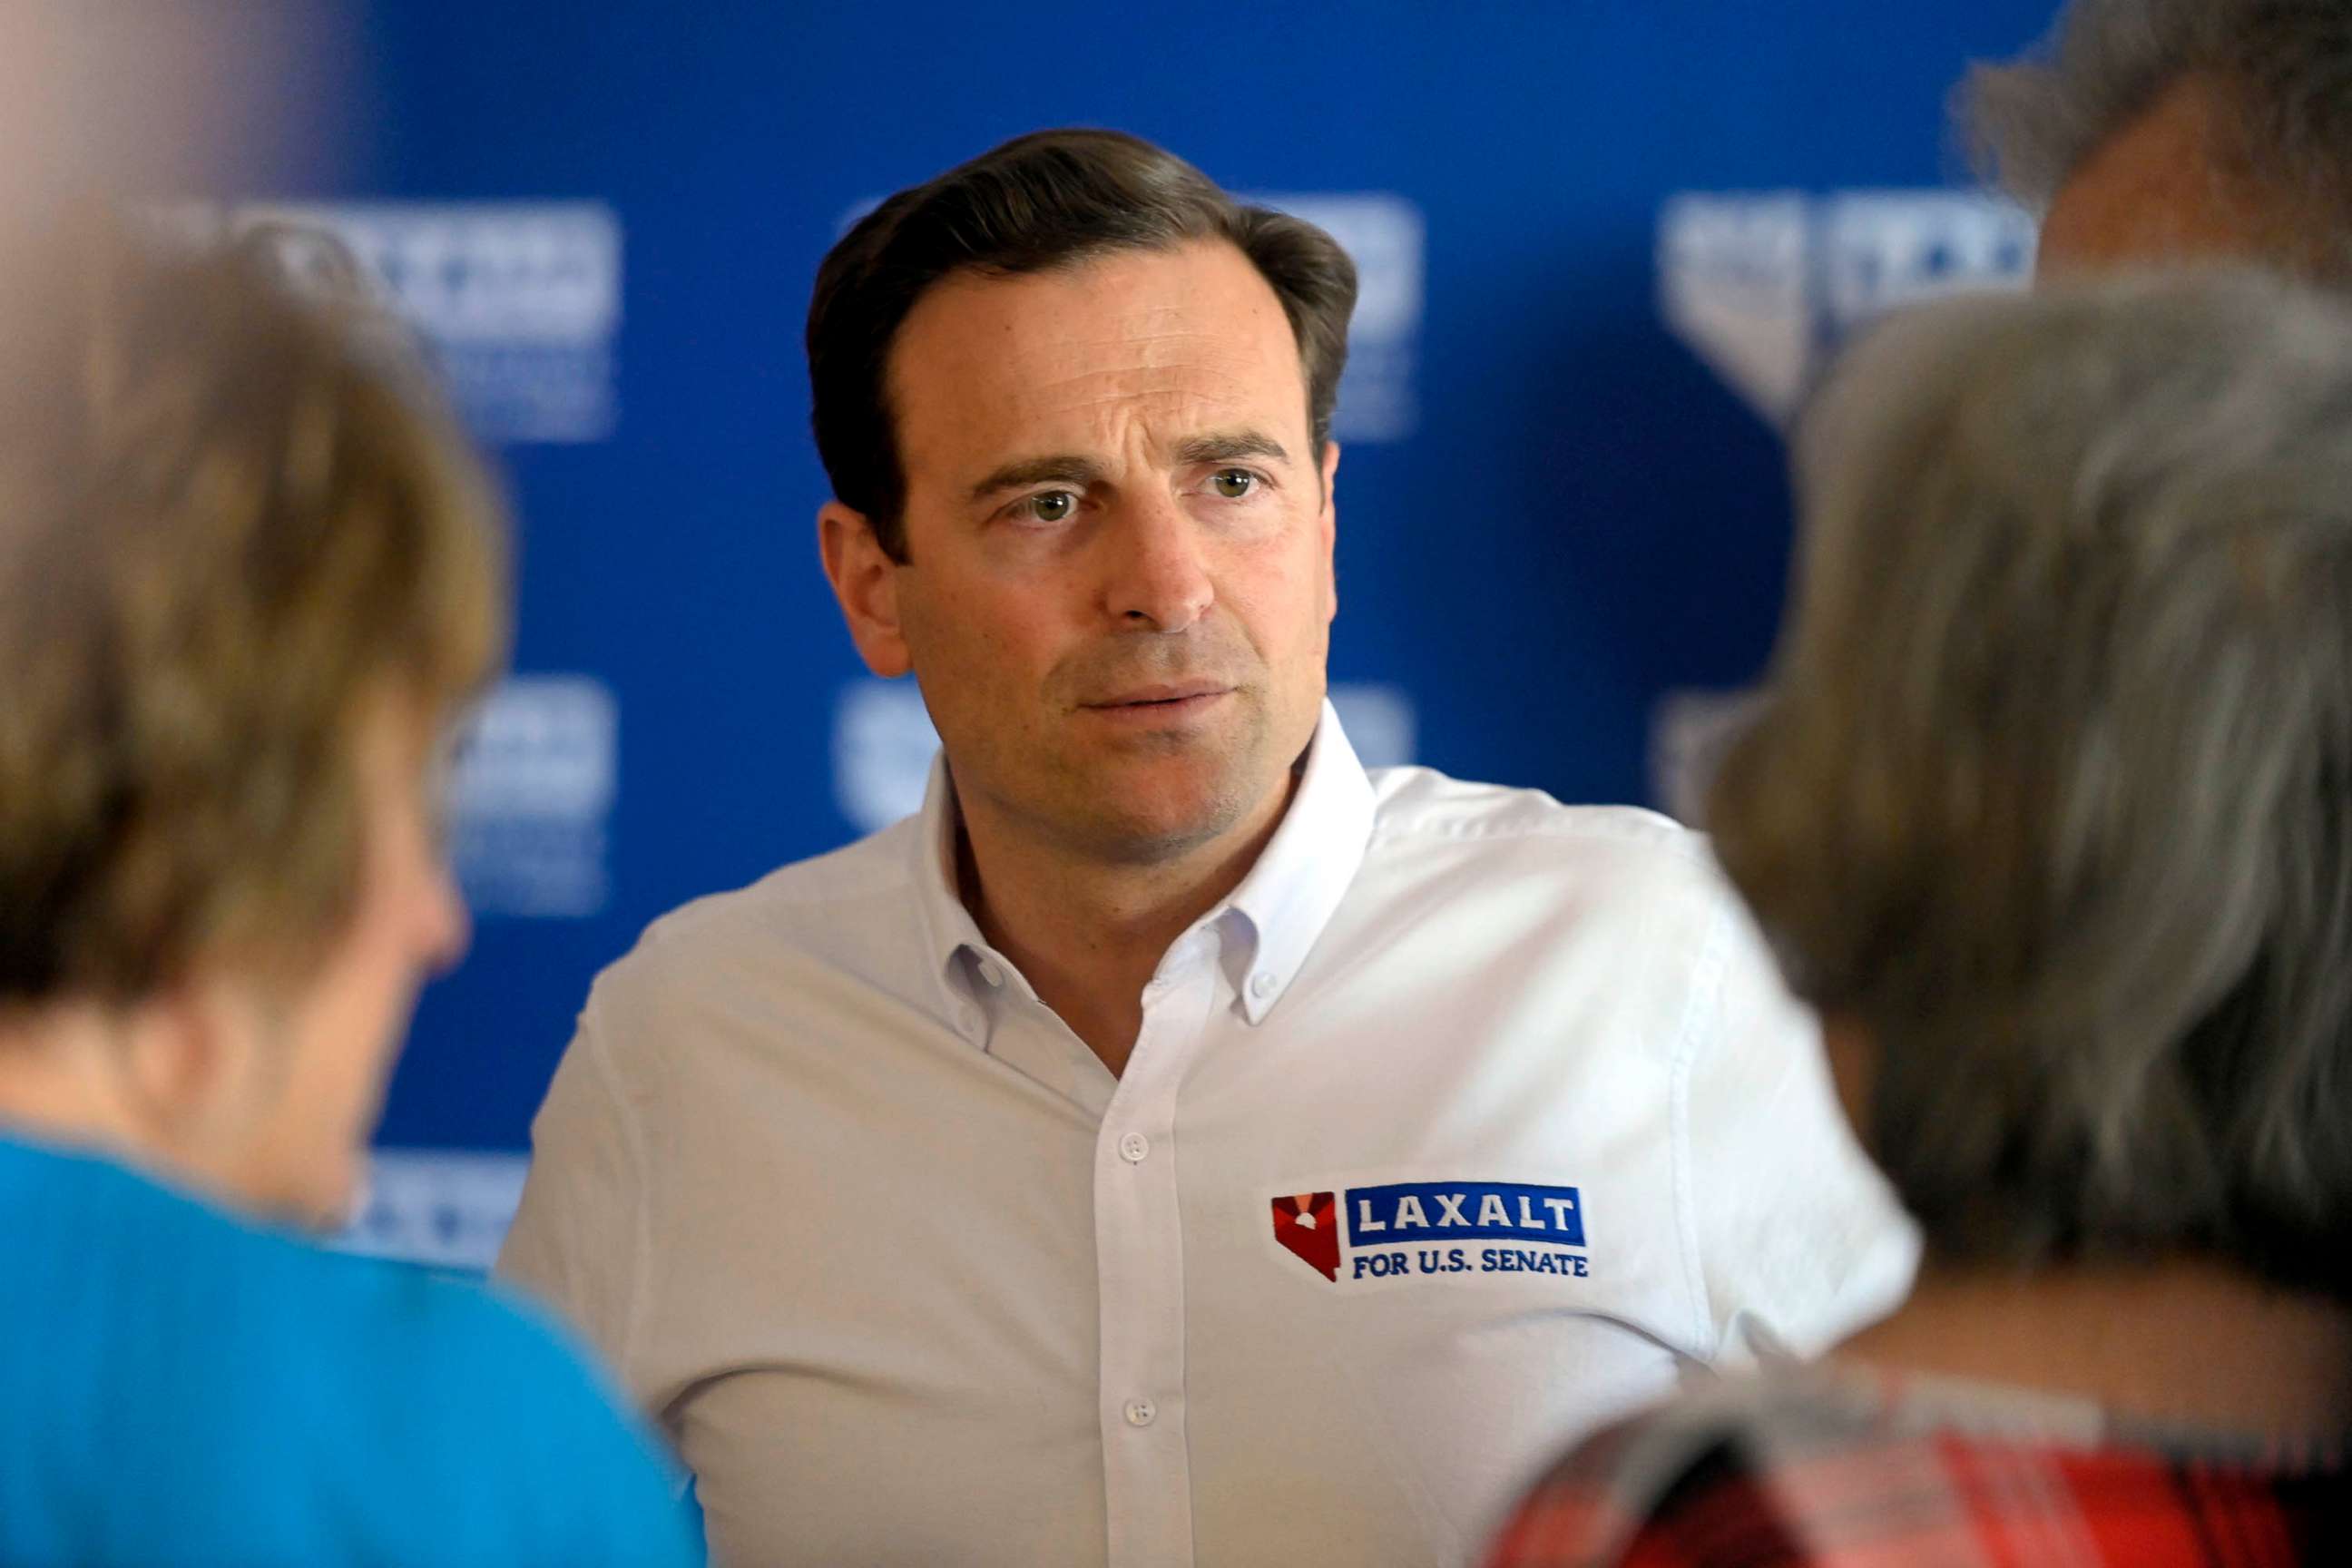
point(1225, 446)
point(1068, 471)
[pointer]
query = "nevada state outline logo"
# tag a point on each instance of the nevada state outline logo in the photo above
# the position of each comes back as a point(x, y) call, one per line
point(1307, 1225)
point(1401, 1230)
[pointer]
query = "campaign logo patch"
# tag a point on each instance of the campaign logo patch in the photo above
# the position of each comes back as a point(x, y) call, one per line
point(1411, 1228)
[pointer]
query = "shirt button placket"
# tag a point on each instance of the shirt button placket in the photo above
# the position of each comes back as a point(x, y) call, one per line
point(1140, 1251)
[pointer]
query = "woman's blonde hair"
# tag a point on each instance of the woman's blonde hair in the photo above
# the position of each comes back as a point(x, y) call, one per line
point(230, 521)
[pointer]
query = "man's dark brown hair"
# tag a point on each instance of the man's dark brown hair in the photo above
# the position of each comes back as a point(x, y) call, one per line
point(1050, 199)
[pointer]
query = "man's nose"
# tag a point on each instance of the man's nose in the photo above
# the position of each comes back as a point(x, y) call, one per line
point(1158, 579)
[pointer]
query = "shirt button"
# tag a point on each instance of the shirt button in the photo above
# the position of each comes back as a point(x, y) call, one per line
point(1132, 1149)
point(1262, 983)
point(1140, 1412)
point(991, 972)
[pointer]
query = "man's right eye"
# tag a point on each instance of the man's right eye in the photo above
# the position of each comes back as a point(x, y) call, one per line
point(1050, 506)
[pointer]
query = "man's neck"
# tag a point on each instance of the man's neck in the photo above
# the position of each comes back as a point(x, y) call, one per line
point(1089, 932)
point(2186, 1343)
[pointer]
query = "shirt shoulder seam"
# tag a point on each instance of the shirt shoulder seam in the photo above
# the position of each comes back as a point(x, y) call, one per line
point(1595, 826)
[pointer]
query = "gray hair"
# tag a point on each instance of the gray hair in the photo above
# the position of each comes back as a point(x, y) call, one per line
point(2284, 67)
point(2051, 787)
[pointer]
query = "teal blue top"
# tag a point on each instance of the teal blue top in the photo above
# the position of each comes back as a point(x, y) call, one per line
point(181, 1387)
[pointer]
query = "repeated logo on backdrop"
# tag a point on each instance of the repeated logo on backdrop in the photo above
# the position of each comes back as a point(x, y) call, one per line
point(1764, 286)
point(448, 1209)
point(530, 796)
point(519, 303)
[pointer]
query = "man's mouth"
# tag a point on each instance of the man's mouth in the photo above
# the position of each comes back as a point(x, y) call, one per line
point(1166, 694)
point(1166, 702)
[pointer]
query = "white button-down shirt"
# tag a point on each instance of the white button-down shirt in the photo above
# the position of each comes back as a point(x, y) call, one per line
point(1465, 1123)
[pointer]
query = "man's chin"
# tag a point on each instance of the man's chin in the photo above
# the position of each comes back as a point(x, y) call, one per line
point(1156, 818)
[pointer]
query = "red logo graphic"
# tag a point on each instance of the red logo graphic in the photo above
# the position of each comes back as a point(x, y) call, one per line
point(1308, 1224)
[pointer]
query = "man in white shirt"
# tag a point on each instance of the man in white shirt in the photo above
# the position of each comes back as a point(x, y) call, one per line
point(1174, 1146)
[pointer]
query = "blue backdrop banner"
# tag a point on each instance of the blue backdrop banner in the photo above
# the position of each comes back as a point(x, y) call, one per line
point(1606, 246)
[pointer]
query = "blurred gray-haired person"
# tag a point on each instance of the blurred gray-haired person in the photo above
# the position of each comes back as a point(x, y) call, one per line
point(2048, 808)
point(2148, 132)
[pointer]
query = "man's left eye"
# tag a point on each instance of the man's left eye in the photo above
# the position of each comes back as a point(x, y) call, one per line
point(1233, 483)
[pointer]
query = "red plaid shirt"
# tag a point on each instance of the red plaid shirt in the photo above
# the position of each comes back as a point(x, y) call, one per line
point(1861, 1473)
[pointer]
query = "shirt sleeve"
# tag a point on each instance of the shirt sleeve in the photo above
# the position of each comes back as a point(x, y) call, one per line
point(1801, 1241)
point(580, 1238)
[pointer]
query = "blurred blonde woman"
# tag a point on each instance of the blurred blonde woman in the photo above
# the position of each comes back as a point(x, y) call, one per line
point(246, 574)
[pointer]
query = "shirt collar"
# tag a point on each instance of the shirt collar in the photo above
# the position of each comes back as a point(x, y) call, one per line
point(948, 930)
point(1283, 904)
point(1292, 893)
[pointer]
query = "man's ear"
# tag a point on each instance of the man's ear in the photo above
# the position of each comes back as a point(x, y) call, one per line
point(1330, 524)
point(866, 580)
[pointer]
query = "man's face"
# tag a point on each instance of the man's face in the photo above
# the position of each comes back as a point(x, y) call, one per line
point(1119, 592)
